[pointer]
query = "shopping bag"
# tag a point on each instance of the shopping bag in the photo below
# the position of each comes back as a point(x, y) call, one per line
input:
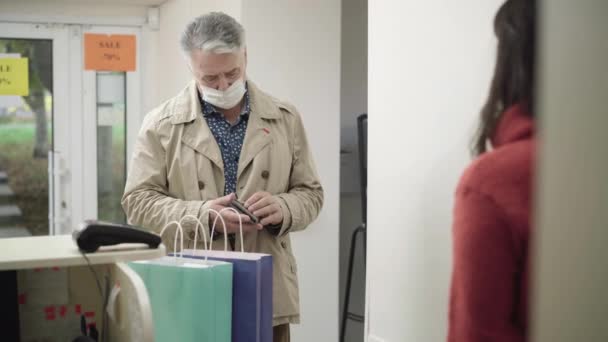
point(251, 291)
point(191, 299)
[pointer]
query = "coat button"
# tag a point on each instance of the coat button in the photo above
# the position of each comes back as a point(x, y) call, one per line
point(265, 174)
point(201, 185)
point(284, 244)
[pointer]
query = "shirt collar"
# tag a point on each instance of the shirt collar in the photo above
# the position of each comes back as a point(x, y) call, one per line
point(209, 109)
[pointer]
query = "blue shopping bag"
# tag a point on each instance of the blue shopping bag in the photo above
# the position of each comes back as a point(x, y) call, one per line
point(251, 292)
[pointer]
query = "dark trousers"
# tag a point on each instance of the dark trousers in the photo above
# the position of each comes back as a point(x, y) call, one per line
point(280, 333)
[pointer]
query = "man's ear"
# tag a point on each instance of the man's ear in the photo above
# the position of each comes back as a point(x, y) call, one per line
point(188, 60)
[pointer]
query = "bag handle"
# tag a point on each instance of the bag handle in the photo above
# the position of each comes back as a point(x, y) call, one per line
point(219, 215)
point(181, 235)
point(199, 224)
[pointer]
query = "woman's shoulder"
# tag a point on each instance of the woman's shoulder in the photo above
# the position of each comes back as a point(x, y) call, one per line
point(507, 166)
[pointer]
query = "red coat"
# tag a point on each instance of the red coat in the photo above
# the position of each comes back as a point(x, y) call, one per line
point(491, 232)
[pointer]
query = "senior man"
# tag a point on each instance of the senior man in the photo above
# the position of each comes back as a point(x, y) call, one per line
point(221, 138)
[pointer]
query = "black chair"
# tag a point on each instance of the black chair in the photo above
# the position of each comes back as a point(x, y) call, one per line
point(361, 229)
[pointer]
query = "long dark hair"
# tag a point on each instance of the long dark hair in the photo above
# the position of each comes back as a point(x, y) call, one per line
point(513, 81)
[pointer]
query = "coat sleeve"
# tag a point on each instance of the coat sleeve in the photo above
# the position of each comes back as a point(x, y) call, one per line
point(304, 199)
point(146, 200)
point(484, 280)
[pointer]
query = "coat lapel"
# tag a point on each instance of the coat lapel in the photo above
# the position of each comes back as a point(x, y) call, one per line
point(263, 111)
point(196, 134)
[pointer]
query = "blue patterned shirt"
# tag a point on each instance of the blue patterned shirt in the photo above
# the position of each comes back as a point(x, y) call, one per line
point(229, 138)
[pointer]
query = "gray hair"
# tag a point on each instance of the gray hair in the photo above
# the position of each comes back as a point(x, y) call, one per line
point(214, 32)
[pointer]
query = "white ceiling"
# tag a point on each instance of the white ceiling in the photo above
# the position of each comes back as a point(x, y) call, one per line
point(118, 2)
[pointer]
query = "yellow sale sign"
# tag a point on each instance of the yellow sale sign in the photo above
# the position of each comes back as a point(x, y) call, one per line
point(14, 76)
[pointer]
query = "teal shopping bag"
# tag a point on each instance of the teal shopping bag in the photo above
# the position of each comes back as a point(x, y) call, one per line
point(191, 299)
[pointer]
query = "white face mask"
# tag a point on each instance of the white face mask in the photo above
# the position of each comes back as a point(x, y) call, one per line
point(224, 99)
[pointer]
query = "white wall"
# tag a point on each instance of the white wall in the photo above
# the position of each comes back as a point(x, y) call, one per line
point(72, 12)
point(294, 53)
point(571, 301)
point(430, 65)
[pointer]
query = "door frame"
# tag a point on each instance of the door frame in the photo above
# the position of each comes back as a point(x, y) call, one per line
point(61, 155)
point(133, 110)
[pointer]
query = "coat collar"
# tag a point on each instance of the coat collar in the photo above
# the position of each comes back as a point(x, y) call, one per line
point(186, 106)
point(515, 124)
point(186, 110)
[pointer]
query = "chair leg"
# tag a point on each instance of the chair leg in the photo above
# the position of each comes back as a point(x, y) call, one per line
point(364, 243)
point(349, 278)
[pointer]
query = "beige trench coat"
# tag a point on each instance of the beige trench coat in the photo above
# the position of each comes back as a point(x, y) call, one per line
point(177, 167)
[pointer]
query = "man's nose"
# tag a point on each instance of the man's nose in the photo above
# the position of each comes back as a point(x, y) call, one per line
point(223, 84)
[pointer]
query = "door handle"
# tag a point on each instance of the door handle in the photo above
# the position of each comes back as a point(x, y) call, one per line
point(58, 208)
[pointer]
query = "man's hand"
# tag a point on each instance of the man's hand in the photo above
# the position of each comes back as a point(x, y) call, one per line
point(231, 218)
point(265, 207)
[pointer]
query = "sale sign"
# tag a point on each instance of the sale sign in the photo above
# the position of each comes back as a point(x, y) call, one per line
point(14, 76)
point(103, 52)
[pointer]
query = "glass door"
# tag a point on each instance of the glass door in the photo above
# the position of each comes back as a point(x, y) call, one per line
point(66, 139)
point(111, 121)
point(34, 139)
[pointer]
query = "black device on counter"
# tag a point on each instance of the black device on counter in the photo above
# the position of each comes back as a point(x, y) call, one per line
point(240, 207)
point(94, 234)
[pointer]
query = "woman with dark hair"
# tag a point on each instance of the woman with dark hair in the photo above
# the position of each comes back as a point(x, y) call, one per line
point(492, 214)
